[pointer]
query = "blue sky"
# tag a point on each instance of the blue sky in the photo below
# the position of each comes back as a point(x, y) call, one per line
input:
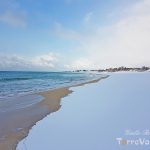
point(73, 34)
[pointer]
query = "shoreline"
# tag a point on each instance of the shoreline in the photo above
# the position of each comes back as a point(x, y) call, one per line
point(85, 118)
point(23, 120)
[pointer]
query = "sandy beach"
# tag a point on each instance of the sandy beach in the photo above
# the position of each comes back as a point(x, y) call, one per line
point(15, 125)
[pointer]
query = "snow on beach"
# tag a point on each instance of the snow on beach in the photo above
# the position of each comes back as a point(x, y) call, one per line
point(103, 115)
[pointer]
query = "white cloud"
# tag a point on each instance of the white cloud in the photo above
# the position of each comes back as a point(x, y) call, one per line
point(13, 18)
point(81, 63)
point(44, 62)
point(11, 62)
point(125, 42)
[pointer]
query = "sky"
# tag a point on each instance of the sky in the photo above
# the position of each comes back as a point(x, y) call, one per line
point(49, 35)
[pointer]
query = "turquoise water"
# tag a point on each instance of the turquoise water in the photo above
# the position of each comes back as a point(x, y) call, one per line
point(15, 83)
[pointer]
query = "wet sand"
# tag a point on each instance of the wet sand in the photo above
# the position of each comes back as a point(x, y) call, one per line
point(15, 125)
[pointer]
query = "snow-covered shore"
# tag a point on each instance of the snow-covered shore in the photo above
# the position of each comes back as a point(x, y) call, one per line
point(94, 116)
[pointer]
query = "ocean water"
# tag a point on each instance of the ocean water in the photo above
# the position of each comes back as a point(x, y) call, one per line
point(15, 83)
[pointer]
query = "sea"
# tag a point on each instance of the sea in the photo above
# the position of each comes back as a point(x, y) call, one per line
point(19, 83)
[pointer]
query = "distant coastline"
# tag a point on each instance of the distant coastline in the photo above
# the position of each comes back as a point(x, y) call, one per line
point(138, 69)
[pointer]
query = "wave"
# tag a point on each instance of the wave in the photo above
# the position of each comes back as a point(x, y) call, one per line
point(13, 79)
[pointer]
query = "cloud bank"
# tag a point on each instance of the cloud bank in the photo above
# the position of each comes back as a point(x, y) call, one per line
point(45, 62)
point(126, 42)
